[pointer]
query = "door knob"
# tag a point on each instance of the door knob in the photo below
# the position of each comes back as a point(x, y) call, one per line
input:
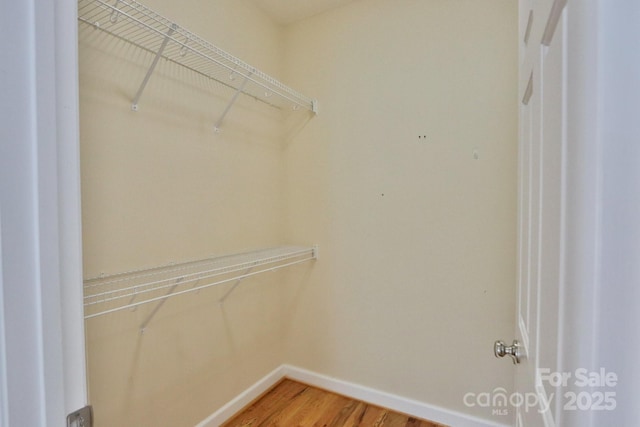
point(514, 350)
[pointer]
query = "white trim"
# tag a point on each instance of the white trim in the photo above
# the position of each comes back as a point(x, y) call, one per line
point(563, 298)
point(243, 399)
point(19, 198)
point(356, 391)
point(547, 413)
point(38, 141)
point(46, 251)
point(4, 393)
point(69, 219)
point(524, 335)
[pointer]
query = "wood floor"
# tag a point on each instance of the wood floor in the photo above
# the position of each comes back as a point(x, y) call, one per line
point(292, 404)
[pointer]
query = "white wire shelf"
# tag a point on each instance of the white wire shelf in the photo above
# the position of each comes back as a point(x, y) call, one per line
point(144, 28)
point(109, 294)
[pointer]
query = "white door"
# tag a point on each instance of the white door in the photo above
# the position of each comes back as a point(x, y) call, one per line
point(541, 214)
point(578, 214)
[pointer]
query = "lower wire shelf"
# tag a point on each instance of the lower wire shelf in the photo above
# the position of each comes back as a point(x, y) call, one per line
point(112, 293)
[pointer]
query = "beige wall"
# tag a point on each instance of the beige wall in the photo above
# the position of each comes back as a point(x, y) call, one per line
point(158, 186)
point(417, 237)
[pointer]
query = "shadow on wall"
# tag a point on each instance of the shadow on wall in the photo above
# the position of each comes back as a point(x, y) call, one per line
point(180, 97)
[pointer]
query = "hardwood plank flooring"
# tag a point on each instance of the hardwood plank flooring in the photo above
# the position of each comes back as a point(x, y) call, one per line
point(293, 404)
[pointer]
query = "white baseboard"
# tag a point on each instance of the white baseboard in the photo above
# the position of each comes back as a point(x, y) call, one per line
point(243, 399)
point(348, 389)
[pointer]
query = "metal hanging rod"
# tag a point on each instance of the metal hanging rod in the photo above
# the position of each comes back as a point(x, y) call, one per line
point(144, 28)
point(112, 293)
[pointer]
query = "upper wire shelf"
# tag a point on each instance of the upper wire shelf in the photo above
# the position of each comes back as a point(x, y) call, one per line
point(112, 293)
point(141, 26)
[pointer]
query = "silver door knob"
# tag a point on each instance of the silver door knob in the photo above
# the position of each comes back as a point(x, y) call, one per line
point(514, 350)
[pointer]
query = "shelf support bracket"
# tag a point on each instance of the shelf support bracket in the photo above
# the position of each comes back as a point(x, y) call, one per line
point(235, 285)
point(134, 103)
point(143, 325)
point(233, 100)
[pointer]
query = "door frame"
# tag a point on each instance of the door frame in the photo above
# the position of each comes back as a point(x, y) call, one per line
point(601, 295)
point(42, 367)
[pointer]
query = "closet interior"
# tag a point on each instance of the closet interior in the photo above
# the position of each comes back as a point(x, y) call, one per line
point(209, 189)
